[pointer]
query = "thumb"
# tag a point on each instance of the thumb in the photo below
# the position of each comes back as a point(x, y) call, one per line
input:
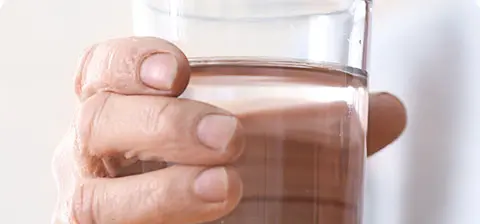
point(132, 66)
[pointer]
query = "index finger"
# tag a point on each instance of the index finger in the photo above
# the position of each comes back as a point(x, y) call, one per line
point(132, 66)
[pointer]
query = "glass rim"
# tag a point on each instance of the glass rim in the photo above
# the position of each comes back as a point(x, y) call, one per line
point(274, 62)
point(250, 17)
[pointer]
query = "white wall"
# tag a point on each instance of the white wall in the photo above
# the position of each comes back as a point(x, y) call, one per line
point(39, 45)
point(428, 55)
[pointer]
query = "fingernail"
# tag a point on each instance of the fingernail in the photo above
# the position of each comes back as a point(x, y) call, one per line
point(216, 131)
point(159, 70)
point(212, 185)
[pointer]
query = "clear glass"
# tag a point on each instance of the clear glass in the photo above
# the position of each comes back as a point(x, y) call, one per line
point(294, 72)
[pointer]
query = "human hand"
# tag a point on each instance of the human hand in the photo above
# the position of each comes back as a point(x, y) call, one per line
point(129, 122)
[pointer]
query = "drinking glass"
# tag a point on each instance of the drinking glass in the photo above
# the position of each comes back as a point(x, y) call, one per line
point(294, 73)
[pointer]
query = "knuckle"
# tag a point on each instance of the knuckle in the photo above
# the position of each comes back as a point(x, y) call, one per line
point(156, 200)
point(111, 65)
point(84, 60)
point(62, 152)
point(157, 117)
point(82, 208)
point(90, 117)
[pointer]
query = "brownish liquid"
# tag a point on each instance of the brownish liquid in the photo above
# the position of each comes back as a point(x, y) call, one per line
point(305, 127)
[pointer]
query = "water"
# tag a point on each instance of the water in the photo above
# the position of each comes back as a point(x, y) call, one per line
point(305, 125)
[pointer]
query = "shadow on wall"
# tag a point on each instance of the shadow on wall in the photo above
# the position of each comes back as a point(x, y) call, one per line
point(430, 153)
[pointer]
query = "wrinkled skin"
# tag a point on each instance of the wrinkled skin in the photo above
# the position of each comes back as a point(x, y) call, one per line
point(129, 121)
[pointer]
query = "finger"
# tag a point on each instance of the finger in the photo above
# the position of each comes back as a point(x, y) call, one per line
point(176, 195)
point(153, 128)
point(387, 120)
point(322, 122)
point(329, 125)
point(133, 66)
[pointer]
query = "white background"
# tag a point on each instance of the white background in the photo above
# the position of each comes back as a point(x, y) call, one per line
point(40, 41)
point(426, 52)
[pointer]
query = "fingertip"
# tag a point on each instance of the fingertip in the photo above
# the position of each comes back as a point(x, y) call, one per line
point(159, 71)
point(392, 106)
point(222, 137)
point(237, 144)
point(387, 121)
point(133, 66)
point(235, 190)
point(165, 69)
point(200, 194)
point(220, 132)
point(220, 188)
point(218, 185)
point(82, 62)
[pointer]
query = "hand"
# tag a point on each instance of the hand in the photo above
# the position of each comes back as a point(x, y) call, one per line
point(129, 122)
